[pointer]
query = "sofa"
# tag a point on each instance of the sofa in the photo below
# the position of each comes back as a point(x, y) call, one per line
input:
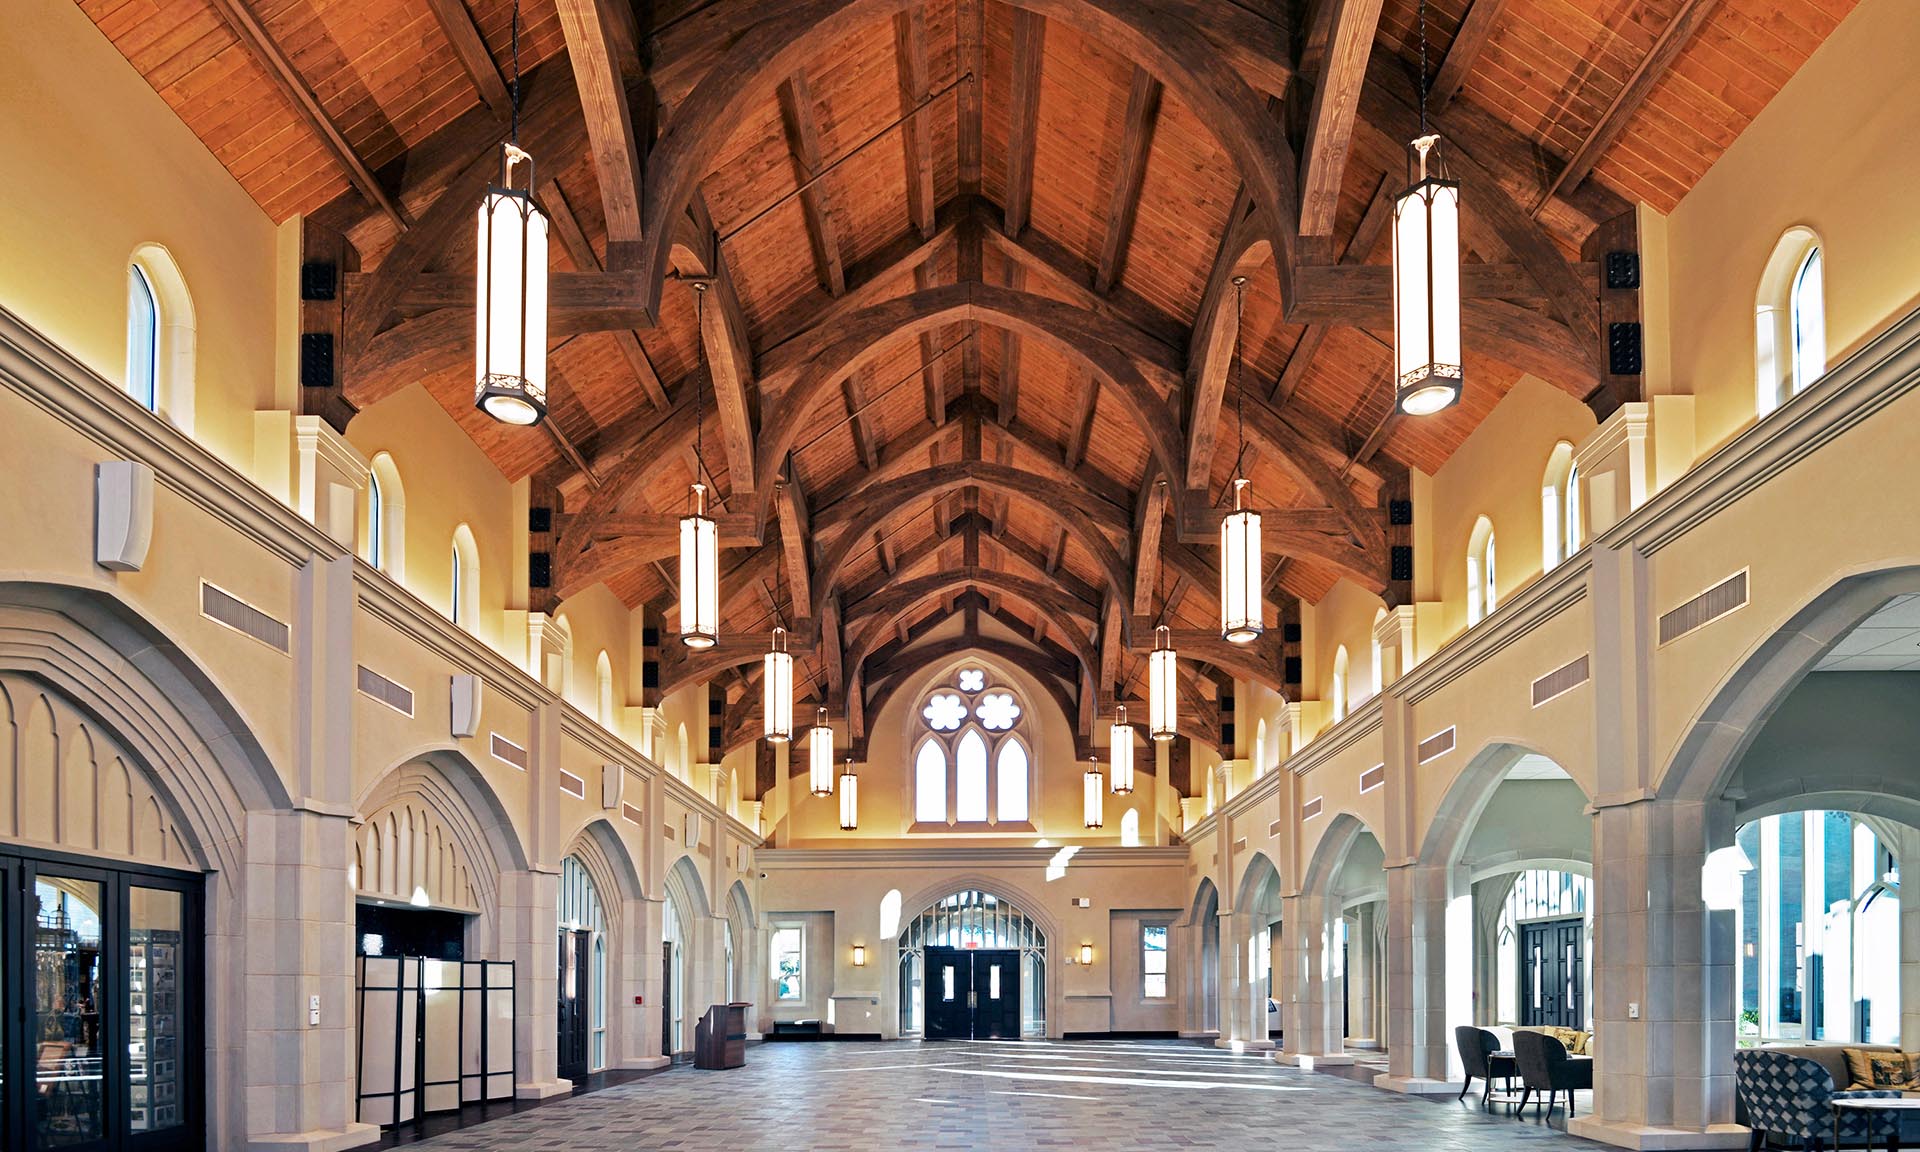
point(1832, 1057)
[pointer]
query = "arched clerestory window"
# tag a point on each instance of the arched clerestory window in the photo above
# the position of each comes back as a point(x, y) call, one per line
point(1340, 684)
point(1482, 596)
point(464, 592)
point(160, 336)
point(1790, 320)
point(386, 517)
point(1559, 508)
point(973, 765)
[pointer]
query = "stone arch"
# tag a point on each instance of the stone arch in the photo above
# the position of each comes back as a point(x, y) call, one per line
point(1166, 42)
point(688, 891)
point(1202, 929)
point(467, 816)
point(745, 926)
point(1445, 836)
point(1719, 733)
point(609, 863)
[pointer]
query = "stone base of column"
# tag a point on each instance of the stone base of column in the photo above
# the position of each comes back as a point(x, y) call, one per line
point(1244, 1045)
point(354, 1135)
point(1366, 1045)
point(1415, 1085)
point(1309, 1061)
point(542, 1089)
point(1627, 1135)
point(1209, 1035)
point(648, 1063)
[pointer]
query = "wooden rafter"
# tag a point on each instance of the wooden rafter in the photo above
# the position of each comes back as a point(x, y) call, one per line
point(463, 36)
point(1123, 204)
point(1336, 101)
point(1365, 237)
point(1475, 30)
point(1029, 50)
point(253, 35)
point(802, 125)
point(916, 140)
point(970, 108)
point(597, 72)
point(573, 239)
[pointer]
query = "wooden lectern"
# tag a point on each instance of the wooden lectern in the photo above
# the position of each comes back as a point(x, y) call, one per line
point(720, 1037)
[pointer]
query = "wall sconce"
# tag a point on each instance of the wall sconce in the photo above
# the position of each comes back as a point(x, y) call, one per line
point(1086, 953)
point(859, 955)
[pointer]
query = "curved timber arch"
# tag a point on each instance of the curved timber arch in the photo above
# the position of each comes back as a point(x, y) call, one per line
point(1121, 355)
point(1165, 40)
point(1053, 605)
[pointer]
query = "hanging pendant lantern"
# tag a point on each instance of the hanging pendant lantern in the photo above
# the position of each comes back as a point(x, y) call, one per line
point(1163, 719)
point(777, 690)
point(1241, 597)
point(820, 756)
point(511, 305)
point(1120, 739)
point(849, 798)
point(1095, 795)
point(1426, 292)
point(700, 575)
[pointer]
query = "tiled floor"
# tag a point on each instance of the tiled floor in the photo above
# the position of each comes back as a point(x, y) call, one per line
point(1003, 1095)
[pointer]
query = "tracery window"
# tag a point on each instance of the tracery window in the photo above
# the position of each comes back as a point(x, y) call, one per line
point(973, 765)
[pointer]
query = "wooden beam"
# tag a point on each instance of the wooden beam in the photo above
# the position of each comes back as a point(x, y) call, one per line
point(1147, 529)
point(795, 535)
point(1123, 204)
point(463, 36)
point(1372, 225)
point(254, 37)
point(730, 366)
point(866, 443)
point(1010, 354)
point(1216, 327)
point(1336, 101)
point(799, 118)
point(1029, 50)
point(1326, 290)
point(1648, 73)
point(933, 367)
point(1080, 428)
point(573, 238)
point(1057, 264)
point(603, 101)
point(916, 140)
point(1475, 30)
point(970, 36)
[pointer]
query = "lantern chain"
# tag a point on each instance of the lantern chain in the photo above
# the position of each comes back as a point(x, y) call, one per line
point(699, 414)
point(1423, 67)
point(514, 92)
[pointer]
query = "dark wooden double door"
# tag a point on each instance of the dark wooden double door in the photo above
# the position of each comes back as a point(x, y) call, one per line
point(1553, 973)
point(576, 1005)
point(972, 994)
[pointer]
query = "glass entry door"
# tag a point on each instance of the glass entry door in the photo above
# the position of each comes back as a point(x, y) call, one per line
point(973, 994)
point(99, 1007)
point(1553, 973)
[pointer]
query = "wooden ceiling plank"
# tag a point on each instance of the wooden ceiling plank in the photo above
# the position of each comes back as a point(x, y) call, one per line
point(1475, 30)
point(1029, 52)
point(916, 140)
point(579, 249)
point(1336, 101)
point(463, 36)
point(800, 119)
point(253, 35)
point(1652, 68)
point(603, 101)
point(1123, 205)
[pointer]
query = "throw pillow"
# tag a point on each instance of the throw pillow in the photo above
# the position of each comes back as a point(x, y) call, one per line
point(1880, 1070)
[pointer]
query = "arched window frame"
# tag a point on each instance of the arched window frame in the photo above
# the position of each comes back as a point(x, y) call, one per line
point(1376, 657)
point(1339, 684)
point(1790, 323)
point(170, 341)
point(463, 596)
point(1559, 508)
point(1482, 577)
point(603, 706)
point(386, 538)
point(949, 741)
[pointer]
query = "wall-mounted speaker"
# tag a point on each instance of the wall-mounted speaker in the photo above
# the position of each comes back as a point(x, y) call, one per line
point(1623, 348)
point(1399, 511)
point(319, 279)
point(316, 359)
point(613, 786)
point(1622, 270)
point(540, 569)
point(539, 519)
point(122, 514)
point(1400, 562)
point(466, 705)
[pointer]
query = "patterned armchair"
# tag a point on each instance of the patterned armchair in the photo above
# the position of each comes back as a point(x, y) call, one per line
point(1791, 1097)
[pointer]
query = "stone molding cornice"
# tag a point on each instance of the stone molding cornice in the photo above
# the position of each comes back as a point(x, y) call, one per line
point(938, 856)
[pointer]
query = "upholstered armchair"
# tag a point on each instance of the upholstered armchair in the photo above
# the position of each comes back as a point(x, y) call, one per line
point(1546, 1067)
point(1477, 1047)
point(1791, 1097)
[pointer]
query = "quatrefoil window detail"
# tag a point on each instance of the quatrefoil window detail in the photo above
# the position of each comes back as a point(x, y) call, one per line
point(972, 680)
point(944, 712)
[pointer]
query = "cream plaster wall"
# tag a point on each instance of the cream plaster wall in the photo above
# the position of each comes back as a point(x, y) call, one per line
point(101, 165)
point(1834, 152)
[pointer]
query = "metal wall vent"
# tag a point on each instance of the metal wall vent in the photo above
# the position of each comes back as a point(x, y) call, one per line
point(630, 814)
point(1310, 809)
point(505, 749)
point(1705, 608)
point(1240, 845)
point(1273, 830)
point(1436, 745)
point(1563, 679)
point(1372, 778)
point(394, 695)
point(223, 607)
point(572, 785)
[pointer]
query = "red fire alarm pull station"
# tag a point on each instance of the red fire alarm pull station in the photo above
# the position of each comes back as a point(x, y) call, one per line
point(639, 1000)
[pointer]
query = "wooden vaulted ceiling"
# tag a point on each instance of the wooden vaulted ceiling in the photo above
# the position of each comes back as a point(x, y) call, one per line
point(971, 321)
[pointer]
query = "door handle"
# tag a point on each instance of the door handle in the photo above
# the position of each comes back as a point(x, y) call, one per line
point(973, 999)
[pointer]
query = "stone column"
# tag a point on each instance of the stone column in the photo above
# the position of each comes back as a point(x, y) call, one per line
point(1664, 982)
point(529, 935)
point(1238, 1026)
point(1616, 468)
point(299, 1075)
point(641, 922)
point(1361, 988)
point(1314, 999)
point(1489, 901)
point(1423, 907)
